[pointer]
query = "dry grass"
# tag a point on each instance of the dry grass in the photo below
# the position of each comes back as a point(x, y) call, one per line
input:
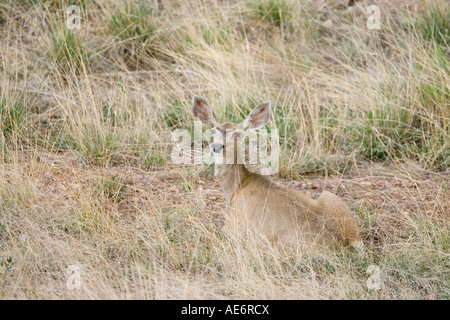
point(86, 115)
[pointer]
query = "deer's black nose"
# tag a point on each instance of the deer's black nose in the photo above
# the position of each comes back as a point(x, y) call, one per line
point(217, 147)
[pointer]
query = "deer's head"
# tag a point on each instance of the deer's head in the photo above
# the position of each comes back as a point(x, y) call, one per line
point(229, 133)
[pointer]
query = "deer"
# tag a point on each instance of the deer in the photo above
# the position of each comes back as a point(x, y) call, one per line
point(283, 216)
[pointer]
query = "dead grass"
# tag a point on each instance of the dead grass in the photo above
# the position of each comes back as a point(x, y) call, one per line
point(162, 241)
point(86, 115)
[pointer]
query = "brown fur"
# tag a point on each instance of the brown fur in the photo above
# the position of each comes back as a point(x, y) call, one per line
point(284, 216)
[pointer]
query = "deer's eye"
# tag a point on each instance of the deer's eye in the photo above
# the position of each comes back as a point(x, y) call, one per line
point(213, 131)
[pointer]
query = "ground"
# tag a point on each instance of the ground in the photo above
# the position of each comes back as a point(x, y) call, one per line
point(125, 219)
point(93, 207)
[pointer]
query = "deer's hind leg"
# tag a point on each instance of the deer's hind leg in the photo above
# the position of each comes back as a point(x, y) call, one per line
point(341, 218)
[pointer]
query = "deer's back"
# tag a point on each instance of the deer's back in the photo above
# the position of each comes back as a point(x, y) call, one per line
point(283, 215)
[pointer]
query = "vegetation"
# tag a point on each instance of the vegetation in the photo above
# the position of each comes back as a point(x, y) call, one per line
point(86, 117)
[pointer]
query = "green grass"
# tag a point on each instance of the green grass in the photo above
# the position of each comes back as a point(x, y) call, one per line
point(58, 4)
point(274, 12)
point(5, 272)
point(154, 158)
point(114, 188)
point(211, 34)
point(135, 25)
point(13, 123)
point(383, 133)
point(68, 53)
point(12, 117)
point(99, 147)
point(96, 147)
point(2, 230)
point(92, 220)
point(424, 276)
point(175, 116)
point(434, 25)
point(3, 13)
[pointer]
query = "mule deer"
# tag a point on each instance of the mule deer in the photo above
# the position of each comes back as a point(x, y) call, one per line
point(284, 216)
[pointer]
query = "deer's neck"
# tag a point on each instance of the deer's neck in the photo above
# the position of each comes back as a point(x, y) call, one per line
point(231, 177)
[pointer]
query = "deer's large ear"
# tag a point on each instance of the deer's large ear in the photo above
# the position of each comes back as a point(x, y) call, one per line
point(203, 112)
point(258, 117)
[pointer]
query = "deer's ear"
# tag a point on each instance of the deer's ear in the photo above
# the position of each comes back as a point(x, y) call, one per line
point(203, 112)
point(258, 117)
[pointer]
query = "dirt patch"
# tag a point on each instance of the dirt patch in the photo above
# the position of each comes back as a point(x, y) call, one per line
point(376, 187)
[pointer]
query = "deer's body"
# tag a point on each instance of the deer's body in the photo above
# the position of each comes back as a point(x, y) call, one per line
point(284, 216)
